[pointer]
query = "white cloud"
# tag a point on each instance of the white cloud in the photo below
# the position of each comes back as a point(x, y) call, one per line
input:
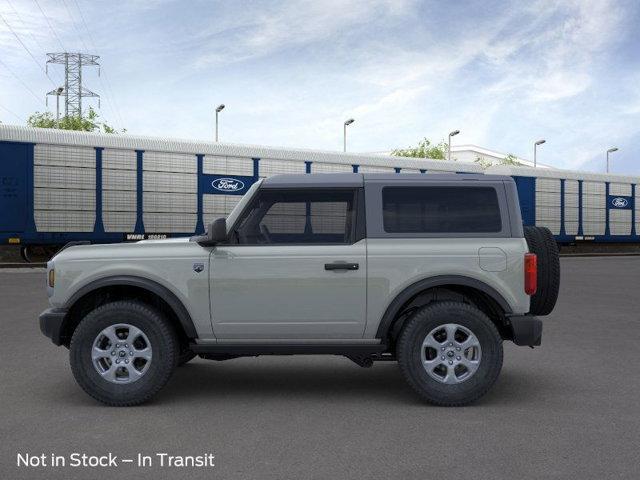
point(291, 72)
point(259, 32)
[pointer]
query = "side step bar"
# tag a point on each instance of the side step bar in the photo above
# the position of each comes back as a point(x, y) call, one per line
point(347, 349)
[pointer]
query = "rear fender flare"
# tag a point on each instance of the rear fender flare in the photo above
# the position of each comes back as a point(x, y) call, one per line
point(414, 289)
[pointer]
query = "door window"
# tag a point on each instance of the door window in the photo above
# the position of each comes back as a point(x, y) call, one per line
point(312, 216)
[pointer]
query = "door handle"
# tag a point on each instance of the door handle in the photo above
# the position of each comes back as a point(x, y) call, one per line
point(341, 266)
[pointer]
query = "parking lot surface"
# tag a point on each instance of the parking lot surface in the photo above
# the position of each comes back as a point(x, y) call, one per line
point(569, 409)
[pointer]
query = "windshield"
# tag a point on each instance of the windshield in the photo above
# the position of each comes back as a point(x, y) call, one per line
point(237, 210)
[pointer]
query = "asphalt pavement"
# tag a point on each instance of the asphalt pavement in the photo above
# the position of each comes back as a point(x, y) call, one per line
point(569, 409)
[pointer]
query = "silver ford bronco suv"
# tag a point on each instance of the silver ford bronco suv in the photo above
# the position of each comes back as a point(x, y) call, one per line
point(431, 271)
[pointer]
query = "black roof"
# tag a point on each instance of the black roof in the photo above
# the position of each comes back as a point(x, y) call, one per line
point(337, 180)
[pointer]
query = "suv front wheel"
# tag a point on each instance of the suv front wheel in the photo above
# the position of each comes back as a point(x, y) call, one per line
point(450, 353)
point(123, 353)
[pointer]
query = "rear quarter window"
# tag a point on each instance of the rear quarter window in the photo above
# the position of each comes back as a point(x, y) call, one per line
point(441, 209)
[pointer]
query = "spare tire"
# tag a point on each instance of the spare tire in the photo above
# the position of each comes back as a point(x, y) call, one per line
point(541, 242)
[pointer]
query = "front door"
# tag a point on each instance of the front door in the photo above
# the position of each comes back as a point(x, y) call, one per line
point(294, 269)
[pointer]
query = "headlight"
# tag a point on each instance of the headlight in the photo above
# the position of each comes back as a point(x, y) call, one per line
point(52, 278)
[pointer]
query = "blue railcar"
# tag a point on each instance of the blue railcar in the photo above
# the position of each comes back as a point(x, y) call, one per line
point(578, 206)
point(61, 186)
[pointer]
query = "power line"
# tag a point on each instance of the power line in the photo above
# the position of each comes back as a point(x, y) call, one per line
point(12, 113)
point(24, 25)
point(21, 81)
point(75, 27)
point(50, 26)
point(28, 51)
point(84, 23)
point(111, 98)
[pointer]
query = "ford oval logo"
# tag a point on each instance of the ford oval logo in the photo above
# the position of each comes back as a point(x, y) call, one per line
point(619, 202)
point(228, 184)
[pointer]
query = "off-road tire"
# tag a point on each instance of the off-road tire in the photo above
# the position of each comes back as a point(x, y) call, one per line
point(164, 346)
point(409, 345)
point(541, 242)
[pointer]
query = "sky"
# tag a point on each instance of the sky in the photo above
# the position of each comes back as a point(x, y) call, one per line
point(290, 72)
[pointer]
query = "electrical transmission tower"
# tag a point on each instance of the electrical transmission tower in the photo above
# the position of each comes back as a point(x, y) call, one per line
point(73, 91)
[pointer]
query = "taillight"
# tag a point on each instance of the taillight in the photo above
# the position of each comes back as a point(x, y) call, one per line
point(530, 273)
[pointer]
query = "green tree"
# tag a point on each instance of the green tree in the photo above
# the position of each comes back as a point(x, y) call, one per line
point(510, 159)
point(425, 149)
point(87, 123)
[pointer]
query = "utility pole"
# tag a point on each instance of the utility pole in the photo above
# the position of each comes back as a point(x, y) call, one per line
point(73, 90)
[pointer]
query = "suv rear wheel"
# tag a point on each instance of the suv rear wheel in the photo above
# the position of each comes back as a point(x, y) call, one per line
point(123, 353)
point(450, 353)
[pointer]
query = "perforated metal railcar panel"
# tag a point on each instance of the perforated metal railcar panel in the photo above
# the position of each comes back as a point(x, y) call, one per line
point(170, 187)
point(216, 206)
point(548, 204)
point(119, 196)
point(375, 169)
point(170, 202)
point(169, 162)
point(571, 204)
point(594, 204)
point(223, 165)
point(63, 156)
point(169, 222)
point(64, 179)
point(318, 167)
point(169, 182)
point(270, 166)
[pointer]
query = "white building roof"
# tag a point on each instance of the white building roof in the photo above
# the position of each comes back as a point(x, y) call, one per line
point(478, 151)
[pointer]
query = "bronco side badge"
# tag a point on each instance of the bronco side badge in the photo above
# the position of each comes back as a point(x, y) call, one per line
point(198, 267)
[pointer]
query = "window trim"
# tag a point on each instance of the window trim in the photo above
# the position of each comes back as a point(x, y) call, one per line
point(357, 230)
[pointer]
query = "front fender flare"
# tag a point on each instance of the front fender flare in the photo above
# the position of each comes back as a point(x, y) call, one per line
point(150, 285)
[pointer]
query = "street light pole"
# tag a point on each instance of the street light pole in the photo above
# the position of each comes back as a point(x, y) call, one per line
point(59, 90)
point(344, 136)
point(451, 134)
point(535, 151)
point(219, 108)
point(611, 150)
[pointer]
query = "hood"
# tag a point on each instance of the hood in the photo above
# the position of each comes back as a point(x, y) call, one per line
point(165, 240)
point(144, 248)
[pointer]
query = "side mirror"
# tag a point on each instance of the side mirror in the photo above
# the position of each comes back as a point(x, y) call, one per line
point(217, 233)
point(218, 230)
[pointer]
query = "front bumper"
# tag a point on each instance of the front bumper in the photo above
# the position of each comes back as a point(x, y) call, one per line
point(527, 330)
point(51, 322)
